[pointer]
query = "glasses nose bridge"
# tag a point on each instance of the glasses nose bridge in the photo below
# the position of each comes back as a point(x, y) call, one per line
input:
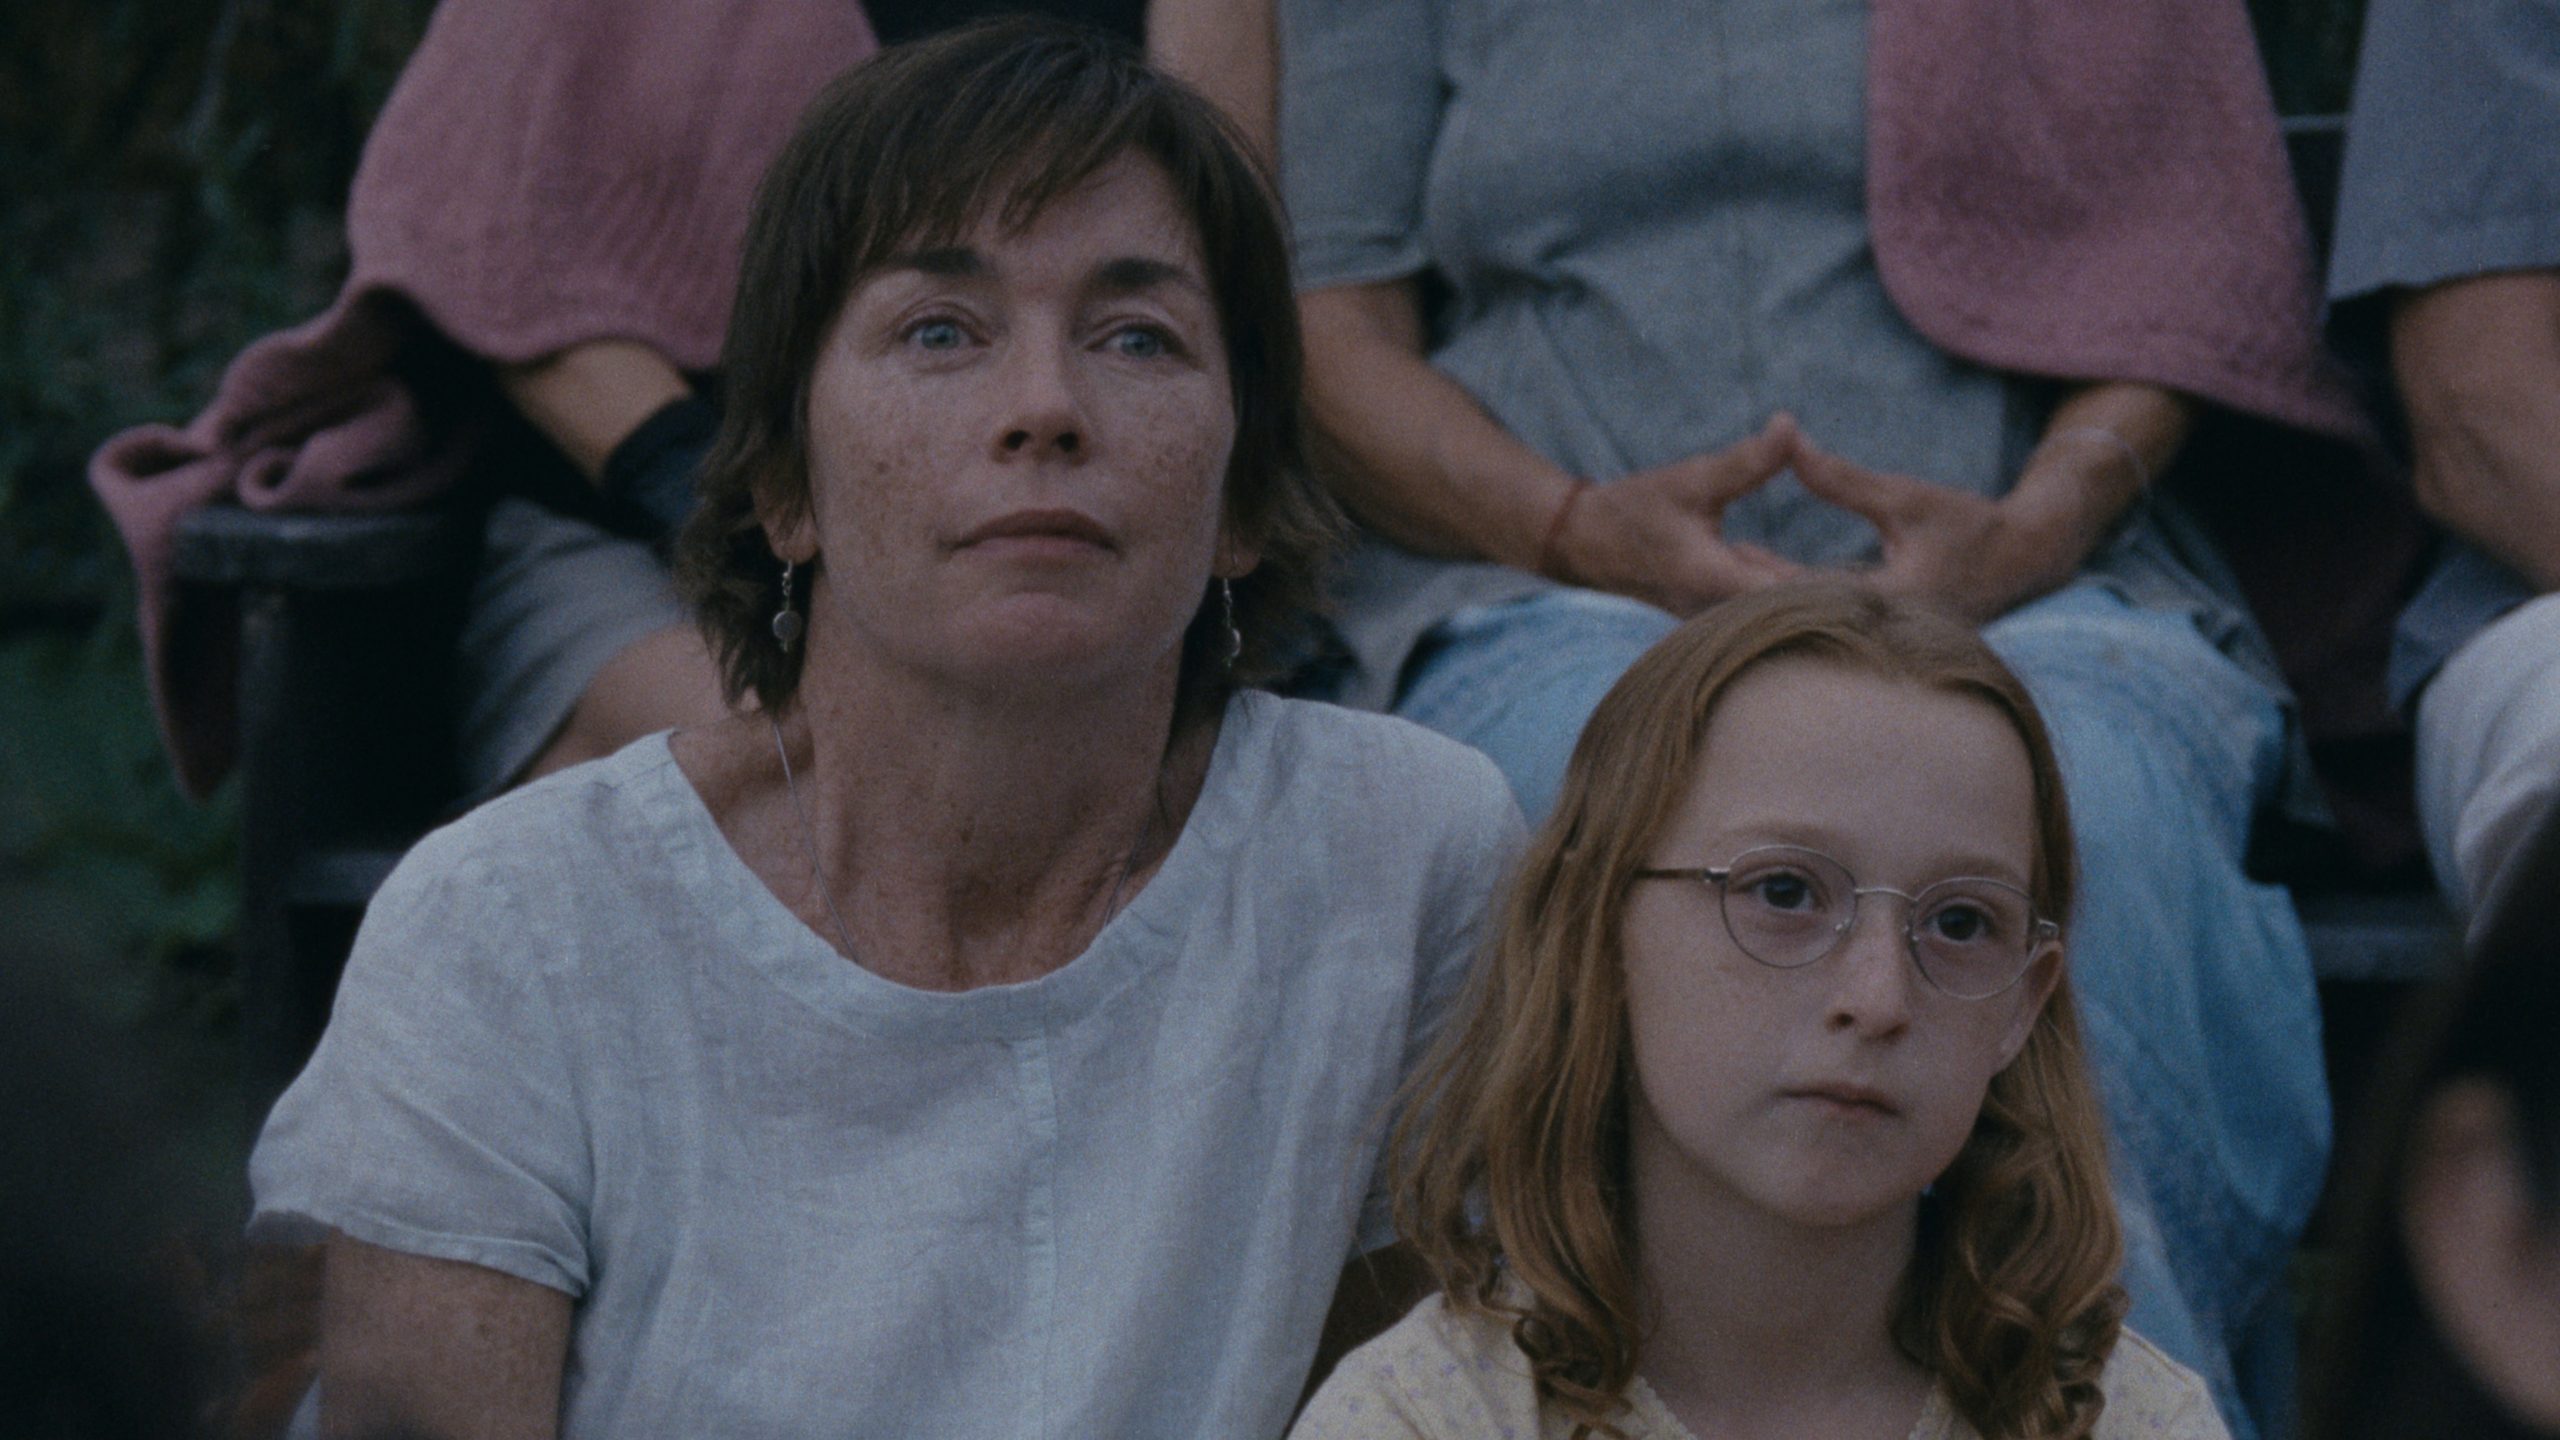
point(1857, 899)
point(1905, 941)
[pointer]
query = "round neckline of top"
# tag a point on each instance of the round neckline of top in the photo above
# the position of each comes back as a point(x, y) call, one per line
point(764, 935)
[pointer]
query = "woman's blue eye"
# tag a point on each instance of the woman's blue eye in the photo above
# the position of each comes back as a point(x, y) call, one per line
point(1140, 343)
point(936, 335)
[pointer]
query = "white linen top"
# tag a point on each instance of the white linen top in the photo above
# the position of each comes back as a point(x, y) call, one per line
point(581, 1043)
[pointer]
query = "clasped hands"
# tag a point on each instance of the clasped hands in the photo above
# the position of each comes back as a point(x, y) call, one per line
point(1658, 535)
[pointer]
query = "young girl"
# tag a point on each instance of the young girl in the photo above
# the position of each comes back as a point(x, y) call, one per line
point(1767, 1115)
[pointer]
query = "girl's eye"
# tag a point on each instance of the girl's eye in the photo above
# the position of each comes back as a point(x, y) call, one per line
point(936, 334)
point(1140, 342)
point(1784, 890)
point(1962, 924)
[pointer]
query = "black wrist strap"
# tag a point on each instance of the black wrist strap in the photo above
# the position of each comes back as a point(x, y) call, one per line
point(685, 423)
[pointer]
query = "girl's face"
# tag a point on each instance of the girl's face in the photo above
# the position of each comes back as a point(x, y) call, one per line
point(1831, 1094)
point(1018, 445)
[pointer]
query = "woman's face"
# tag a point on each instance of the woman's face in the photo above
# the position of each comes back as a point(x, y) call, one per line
point(1017, 448)
point(1832, 1094)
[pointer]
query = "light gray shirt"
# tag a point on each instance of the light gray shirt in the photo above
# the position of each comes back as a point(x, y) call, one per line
point(2452, 169)
point(581, 1043)
point(2452, 163)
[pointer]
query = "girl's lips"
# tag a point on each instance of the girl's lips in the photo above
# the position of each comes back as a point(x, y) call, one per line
point(1859, 1099)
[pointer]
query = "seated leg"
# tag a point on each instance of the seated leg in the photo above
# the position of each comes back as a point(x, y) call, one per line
point(573, 645)
point(2194, 982)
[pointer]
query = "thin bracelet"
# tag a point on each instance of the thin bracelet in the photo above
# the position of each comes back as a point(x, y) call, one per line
point(2105, 436)
point(1548, 560)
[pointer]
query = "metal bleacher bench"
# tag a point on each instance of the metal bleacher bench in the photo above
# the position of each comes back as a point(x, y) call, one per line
point(346, 626)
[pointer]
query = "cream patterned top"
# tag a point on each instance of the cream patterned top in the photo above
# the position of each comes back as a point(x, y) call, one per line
point(1442, 1376)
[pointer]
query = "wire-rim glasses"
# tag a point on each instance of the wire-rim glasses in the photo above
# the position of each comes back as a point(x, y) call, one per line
point(1786, 906)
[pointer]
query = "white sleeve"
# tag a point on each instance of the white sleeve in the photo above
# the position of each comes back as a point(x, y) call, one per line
point(439, 1115)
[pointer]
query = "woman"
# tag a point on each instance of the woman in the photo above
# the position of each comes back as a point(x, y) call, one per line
point(1722, 294)
point(983, 1035)
point(1768, 1114)
point(2448, 1319)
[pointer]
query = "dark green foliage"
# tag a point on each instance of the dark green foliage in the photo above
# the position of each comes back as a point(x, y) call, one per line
point(174, 173)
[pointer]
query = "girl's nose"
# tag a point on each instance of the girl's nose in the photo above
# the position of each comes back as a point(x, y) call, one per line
point(1873, 975)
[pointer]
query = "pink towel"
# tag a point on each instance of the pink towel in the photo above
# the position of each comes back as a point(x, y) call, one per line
point(546, 172)
point(2079, 190)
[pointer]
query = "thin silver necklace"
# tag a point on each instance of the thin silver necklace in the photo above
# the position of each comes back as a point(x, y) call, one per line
point(817, 879)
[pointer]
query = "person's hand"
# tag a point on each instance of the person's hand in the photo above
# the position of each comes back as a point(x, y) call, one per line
point(1962, 552)
point(1658, 535)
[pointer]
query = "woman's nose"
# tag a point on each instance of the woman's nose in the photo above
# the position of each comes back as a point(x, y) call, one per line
point(1041, 416)
point(1873, 975)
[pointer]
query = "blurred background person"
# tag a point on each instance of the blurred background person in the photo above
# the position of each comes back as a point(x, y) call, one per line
point(2447, 1320)
point(2449, 221)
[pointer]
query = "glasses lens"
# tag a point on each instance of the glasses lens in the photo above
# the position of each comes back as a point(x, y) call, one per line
point(1972, 937)
point(1784, 906)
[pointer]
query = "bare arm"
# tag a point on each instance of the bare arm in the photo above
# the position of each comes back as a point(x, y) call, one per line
point(589, 398)
point(2079, 482)
point(1420, 460)
point(2478, 363)
point(437, 1349)
point(1227, 49)
point(1414, 455)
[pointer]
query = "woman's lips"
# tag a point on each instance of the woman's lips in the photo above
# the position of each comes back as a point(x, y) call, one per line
point(1039, 532)
point(1040, 524)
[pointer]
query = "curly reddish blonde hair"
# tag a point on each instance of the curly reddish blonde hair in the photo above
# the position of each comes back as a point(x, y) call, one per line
point(1512, 1178)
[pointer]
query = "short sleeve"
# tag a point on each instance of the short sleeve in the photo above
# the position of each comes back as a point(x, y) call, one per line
point(2448, 169)
point(1360, 102)
point(439, 1115)
point(1474, 865)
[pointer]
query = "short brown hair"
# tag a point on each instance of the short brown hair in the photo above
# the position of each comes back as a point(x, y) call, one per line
point(1512, 1143)
point(911, 149)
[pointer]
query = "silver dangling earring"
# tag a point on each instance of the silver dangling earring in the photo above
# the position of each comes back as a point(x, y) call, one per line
point(787, 623)
point(1235, 637)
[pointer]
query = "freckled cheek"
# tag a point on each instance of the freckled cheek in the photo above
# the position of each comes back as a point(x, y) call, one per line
point(1179, 443)
point(873, 468)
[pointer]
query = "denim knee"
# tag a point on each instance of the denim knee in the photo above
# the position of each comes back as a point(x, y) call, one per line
point(1517, 679)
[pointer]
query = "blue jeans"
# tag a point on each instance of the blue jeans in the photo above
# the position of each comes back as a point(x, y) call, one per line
point(2194, 984)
